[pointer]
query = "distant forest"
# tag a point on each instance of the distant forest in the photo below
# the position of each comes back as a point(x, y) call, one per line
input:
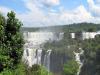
point(77, 27)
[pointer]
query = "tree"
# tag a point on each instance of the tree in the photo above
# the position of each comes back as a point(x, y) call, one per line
point(14, 40)
point(71, 68)
point(91, 49)
point(2, 27)
point(2, 36)
point(11, 41)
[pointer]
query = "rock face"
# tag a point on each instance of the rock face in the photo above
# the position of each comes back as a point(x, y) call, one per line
point(84, 35)
point(41, 37)
point(57, 62)
point(34, 54)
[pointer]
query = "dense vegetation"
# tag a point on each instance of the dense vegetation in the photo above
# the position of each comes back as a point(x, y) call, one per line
point(63, 51)
point(79, 27)
point(11, 42)
point(91, 56)
point(67, 45)
point(70, 68)
point(11, 49)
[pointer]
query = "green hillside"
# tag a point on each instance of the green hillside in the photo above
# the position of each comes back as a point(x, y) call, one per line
point(66, 28)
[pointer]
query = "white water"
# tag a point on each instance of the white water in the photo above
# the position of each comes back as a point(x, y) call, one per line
point(47, 59)
point(32, 48)
point(32, 56)
point(32, 51)
point(39, 55)
point(77, 57)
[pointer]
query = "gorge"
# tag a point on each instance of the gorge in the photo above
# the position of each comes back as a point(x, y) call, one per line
point(34, 52)
point(56, 50)
point(33, 48)
point(52, 49)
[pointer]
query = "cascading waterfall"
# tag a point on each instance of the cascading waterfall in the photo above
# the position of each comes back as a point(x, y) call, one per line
point(33, 53)
point(77, 57)
point(47, 59)
point(39, 55)
point(32, 56)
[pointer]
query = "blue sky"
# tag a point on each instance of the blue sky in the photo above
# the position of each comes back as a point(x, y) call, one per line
point(36, 13)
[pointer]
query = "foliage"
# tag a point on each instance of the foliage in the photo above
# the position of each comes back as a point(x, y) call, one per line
point(23, 70)
point(91, 56)
point(11, 42)
point(76, 27)
point(20, 70)
point(70, 68)
point(11, 49)
point(37, 70)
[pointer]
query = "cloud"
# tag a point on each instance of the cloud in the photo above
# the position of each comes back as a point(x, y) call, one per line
point(95, 9)
point(98, 1)
point(50, 3)
point(4, 10)
point(36, 16)
point(80, 14)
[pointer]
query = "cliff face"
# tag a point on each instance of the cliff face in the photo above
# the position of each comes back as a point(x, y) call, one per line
point(91, 57)
point(57, 60)
point(62, 51)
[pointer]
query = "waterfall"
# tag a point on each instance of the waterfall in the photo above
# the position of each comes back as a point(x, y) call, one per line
point(39, 55)
point(27, 56)
point(77, 57)
point(33, 42)
point(47, 59)
point(32, 56)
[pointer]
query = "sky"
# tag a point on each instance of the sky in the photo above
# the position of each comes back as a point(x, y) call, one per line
point(39, 13)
